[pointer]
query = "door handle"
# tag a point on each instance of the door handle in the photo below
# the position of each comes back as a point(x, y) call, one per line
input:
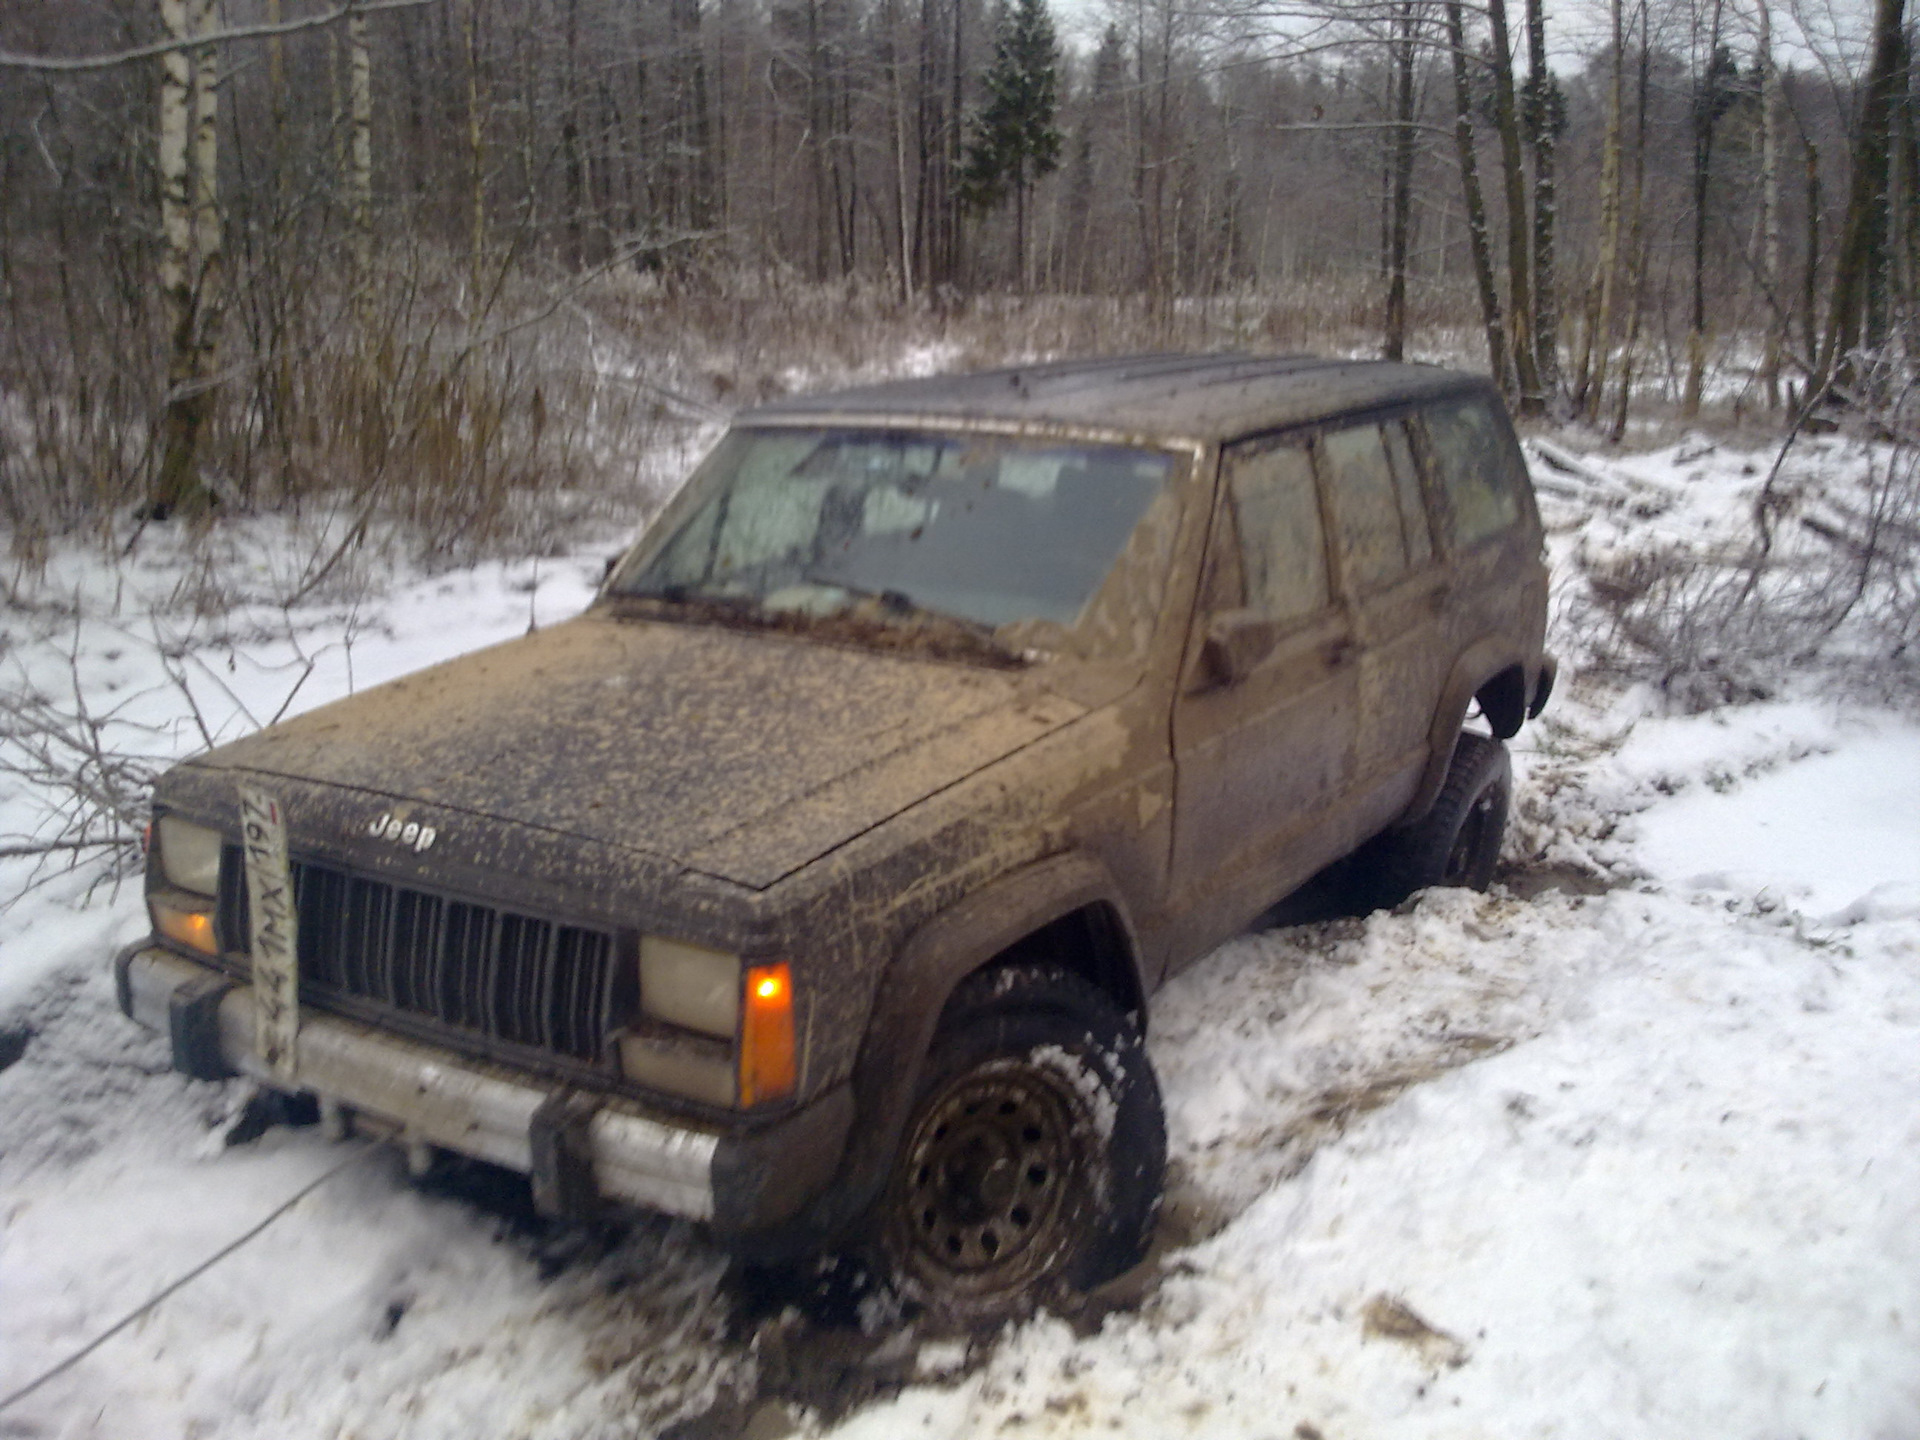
point(1337, 652)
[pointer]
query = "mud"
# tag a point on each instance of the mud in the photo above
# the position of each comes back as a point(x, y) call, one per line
point(820, 1339)
point(921, 633)
point(1527, 881)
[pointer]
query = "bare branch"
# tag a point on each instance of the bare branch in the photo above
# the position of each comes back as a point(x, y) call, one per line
point(81, 64)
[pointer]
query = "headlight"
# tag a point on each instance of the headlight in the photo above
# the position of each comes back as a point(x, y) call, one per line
point(189, 855)
point(750, 1008)
point(690, 985)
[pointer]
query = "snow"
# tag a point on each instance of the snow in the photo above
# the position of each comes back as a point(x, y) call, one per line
point(1825, 834)
point(1639, 1155)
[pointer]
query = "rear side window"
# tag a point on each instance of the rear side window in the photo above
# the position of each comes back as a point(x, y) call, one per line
point(1382, 524)
point(1406, 480)
point(1277, 512)
point(1478, 467)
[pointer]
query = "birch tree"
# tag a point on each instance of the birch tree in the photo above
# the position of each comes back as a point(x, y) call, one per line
point(1478, 243)
point(1545, 115)
point(360, 153)
point(190, 258)
point(1636, 233)
point(1519, 290)
point(1592, 384)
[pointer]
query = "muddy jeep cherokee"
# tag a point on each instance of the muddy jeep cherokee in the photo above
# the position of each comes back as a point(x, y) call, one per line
point(813, 882)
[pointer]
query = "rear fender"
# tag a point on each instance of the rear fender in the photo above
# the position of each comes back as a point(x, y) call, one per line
point(1504, 678)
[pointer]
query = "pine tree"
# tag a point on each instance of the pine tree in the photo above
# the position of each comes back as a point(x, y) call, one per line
point(1013, 140)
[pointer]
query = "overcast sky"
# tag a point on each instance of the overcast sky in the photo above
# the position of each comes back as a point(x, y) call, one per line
point(1807, 33)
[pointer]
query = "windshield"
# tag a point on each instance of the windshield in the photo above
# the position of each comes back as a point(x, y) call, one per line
point(985, 529)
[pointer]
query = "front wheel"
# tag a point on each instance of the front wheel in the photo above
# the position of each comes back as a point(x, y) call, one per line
point(1034, 1156)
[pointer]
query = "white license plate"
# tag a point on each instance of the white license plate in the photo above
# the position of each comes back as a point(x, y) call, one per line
point(275, 942)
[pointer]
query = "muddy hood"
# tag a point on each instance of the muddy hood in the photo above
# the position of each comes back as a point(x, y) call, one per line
point(738, 754)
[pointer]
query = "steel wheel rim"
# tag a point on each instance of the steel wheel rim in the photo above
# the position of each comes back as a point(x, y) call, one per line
point(988, 1179)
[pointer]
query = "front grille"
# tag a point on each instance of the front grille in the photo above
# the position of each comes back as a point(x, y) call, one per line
point(492, 972)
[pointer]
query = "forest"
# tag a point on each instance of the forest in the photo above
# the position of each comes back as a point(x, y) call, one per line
point(339, 338)
point(446, 255)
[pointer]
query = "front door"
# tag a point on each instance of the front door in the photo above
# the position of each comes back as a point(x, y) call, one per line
point(1261, 754)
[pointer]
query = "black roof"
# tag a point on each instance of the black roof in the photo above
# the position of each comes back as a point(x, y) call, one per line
point(1197, 397)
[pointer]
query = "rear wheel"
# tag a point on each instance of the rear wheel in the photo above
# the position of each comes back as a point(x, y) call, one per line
point(1457, 843)
point(1032, 1162)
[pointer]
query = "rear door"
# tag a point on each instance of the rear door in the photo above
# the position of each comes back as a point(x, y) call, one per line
point(1263, 754)
point(1395, 582)
point(1487, 522)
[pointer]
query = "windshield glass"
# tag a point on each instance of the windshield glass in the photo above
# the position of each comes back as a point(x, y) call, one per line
point(985, 529)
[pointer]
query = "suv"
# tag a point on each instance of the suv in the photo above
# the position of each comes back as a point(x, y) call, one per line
point(813, 882)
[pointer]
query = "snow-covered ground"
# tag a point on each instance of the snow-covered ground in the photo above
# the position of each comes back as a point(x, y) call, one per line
point(1636, 1154)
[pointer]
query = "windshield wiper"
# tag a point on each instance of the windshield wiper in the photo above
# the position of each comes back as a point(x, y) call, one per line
point(898, 606)
point(894, 620)
point(894, 602)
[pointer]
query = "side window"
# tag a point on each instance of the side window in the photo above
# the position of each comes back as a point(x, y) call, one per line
point(1365, 494)
point(1474, 455)
point(1277, 512)
point(1406, 481)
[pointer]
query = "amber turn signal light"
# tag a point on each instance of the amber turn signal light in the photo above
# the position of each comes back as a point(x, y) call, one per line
point(767, 1069)
point(192, 928)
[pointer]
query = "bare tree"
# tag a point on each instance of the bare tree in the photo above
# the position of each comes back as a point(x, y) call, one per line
point(1712, 94)
point(1519, 286)
point(1544, 114)
point(1851, 320)
point(1477, 239)
point(1770, 247)
point(1592, 382)
point(1406, 38)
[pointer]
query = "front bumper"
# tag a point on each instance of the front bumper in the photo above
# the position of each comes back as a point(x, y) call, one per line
point(579, 1149)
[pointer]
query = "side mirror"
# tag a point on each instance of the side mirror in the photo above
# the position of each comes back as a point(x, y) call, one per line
point(606, 571)
point(1236, 642)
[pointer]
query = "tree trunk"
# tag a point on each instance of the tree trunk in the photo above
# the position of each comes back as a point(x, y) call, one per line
point(1402, 202)
point(1520, 293)
point(1862, 236)
point(1908, 172)
point(1593, 380)
point(1020, 226)
point(573, 167)
point(476, 158)
point(897, 122)
point(1770, 266)
point(360, 155)
point(1477, 241)
point(1636, 235)
point(190, 258)
point(1704, 118)
point(956, 139)
point(1543, 121)
point(1810, 272)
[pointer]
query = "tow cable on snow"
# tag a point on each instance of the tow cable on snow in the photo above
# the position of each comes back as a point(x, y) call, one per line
point(194, 1274)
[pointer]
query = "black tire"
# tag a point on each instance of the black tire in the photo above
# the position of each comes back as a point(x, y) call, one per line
point(1031, 1165)
point(1457, 842)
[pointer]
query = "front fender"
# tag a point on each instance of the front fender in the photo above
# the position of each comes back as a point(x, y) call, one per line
point(917, 985)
